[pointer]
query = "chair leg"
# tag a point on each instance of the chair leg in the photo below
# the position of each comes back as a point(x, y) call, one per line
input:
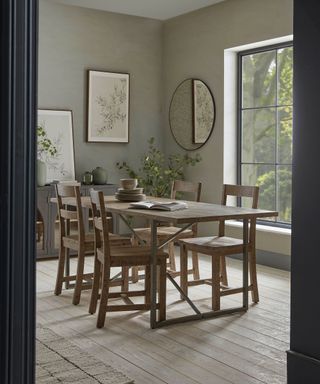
point(95, 286)
point(215, 283)
point(172, 260)
point(147, 285)
point(60, 271)
point(184, 268)
point(134, 270)
point(195, 266)
point(125, 279)
point(253, 276)
point(158, 277)
point(134, 274)
point(42, 239)
point(79, 278)
point(67, 267)
point(223, 271)
point(104, 296)
point(162, 290)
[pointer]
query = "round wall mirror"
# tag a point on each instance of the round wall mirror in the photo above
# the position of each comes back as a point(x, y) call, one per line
point(192, 114)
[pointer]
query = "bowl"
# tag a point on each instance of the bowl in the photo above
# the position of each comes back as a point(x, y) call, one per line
point(129, 183)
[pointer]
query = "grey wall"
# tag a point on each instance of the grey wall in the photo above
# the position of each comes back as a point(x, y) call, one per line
point(74, 39)
point(194, 46)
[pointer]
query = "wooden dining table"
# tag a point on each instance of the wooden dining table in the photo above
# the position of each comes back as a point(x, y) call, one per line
point(196, 212)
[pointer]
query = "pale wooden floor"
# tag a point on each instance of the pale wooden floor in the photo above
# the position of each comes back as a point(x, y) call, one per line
point(240, 349)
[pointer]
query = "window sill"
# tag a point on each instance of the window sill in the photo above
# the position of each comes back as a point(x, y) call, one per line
point(262, 228)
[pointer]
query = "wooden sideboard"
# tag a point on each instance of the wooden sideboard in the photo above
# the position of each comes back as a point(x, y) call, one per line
point(47, 225)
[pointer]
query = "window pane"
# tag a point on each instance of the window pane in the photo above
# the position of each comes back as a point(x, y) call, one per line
point(264, 177)
point(285, 76)
point(285, 135)
point(259, 79)
point(258, 135)
point(284, 174)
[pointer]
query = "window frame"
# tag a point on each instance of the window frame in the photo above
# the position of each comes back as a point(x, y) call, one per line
point(240, 56)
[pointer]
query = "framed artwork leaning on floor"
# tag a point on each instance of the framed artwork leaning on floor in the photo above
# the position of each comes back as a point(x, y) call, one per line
point(55, 143)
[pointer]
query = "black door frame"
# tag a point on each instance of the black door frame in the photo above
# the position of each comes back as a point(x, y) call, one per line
point(304, 353)
point(18, 89)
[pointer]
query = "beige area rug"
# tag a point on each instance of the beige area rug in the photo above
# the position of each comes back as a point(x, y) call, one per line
point(60, 361)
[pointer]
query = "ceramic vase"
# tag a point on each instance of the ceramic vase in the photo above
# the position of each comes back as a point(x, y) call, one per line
point(99, 176)
point(87, 178)
point(41, 173)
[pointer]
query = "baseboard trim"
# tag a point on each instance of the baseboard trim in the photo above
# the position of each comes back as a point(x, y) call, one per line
point(302, 368)
point(271, 259)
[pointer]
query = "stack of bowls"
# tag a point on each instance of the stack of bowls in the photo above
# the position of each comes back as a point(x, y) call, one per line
point(129, 191)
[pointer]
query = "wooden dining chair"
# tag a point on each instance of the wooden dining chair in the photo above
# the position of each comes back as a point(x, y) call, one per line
point(192, 192)
point(218, 247)
point(108, 256)
point(81, 242)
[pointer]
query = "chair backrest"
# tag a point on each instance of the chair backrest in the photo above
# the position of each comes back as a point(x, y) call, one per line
point(100, 224)
point(239, 191)
point(65, 213)
point(186, 186)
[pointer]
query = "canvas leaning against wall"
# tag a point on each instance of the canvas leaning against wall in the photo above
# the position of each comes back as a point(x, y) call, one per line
point(108, 107)
point(55, 144)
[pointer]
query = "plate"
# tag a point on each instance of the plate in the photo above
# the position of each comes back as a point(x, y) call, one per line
point(130, 191)
point(130, 197)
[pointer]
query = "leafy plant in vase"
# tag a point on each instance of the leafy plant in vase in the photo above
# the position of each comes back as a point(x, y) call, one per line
point(157, 172)
point(45, 148)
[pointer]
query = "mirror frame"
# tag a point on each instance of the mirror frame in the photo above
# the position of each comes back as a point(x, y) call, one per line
point(214, 114)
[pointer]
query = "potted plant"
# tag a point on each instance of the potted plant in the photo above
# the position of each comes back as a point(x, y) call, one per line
point(157, 172)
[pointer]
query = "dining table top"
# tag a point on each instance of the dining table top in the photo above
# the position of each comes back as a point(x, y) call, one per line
point(195, 212)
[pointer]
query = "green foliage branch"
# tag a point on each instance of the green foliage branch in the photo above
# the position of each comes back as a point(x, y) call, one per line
point(157, 172)
point(45, 146)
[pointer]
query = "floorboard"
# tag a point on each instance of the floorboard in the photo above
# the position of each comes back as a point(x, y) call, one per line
point(239, 349)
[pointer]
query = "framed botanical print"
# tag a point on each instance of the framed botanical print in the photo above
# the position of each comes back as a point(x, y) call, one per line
point(108, 107)
point(55, 144)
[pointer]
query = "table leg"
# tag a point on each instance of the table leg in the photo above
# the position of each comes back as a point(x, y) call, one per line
point(153, 311)
point(245, 263)
point(184, 269)
point(215, 283)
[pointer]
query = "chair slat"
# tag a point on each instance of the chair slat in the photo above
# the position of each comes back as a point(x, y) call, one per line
point(69, 215)
point(67, 190)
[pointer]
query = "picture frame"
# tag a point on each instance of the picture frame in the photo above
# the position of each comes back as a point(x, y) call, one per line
point(108, 107)
point(203, 111)
point(55, 143)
